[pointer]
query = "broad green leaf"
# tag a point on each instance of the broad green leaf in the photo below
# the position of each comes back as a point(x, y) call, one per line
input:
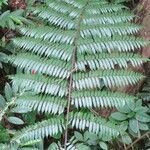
point(126, 139)
point(21, 110)
point(103, 145)
point(124, 109)
point(57, 136)
point(53, 146)
point(119, 116)
point(131, 114)
point(15, 19)
point(8, 92)
point(15, 120)
point(143, 117)
point(143, 126)
point(133, 133)
point(124, 126)
point(134, 126)
point(11, 24)
point(78, 136)
point(88, 135)
point(4, 135)
point(131, 105)
point(30, 117)
point(141, 109)
point(105, 137)
point(2, 102)
point(138, 103)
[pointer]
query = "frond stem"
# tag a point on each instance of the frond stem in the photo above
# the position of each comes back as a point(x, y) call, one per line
point(73, 69)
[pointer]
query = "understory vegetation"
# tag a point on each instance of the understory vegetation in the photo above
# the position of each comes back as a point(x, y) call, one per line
point(66, 67)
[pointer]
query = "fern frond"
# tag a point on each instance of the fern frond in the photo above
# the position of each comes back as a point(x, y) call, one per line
point(109, 30)
point(77, 4)
point(44, 48)
point(55, 18)
point(85, 120)
point(40, 130)
point(117, 43)
point(52, 67)
point(107, 61)
point(40, 84)
point(100, 8)
point(50, 34)
point(110, 78)
point(107, 18)
point(46, 104)
point(90, 99)
point(64, 8)
point(74, 52)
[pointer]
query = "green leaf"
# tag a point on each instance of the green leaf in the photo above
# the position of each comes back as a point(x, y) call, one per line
point(78, 136)
point(8, 92)
point(106, 138)
point(21, 110)
point(30, 117)
point(143, 117)
point(15, 19)
point(132, 105)
point(133, 133)
point(15, 120)
point(124, 109)
point(4, 135)
point(57, 136)
point(88, 135)
point(119, 116)
point(134, 126)
point(11, 24)
point(138, 103)
point(143, 126)
point(103, 145)
point(53, 146)
point(126, 139)
point(2, 102)
point(123, 126)
point(131, 114)
point(141, 109)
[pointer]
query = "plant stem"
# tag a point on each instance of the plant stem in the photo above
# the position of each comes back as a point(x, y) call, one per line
point(73, 69)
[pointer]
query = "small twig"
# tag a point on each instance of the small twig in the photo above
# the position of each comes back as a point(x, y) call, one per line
point(124, 145)
point(119, 146)
point(133, 3)
point(92, 110)
point(132, 147)
point(137, 140)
